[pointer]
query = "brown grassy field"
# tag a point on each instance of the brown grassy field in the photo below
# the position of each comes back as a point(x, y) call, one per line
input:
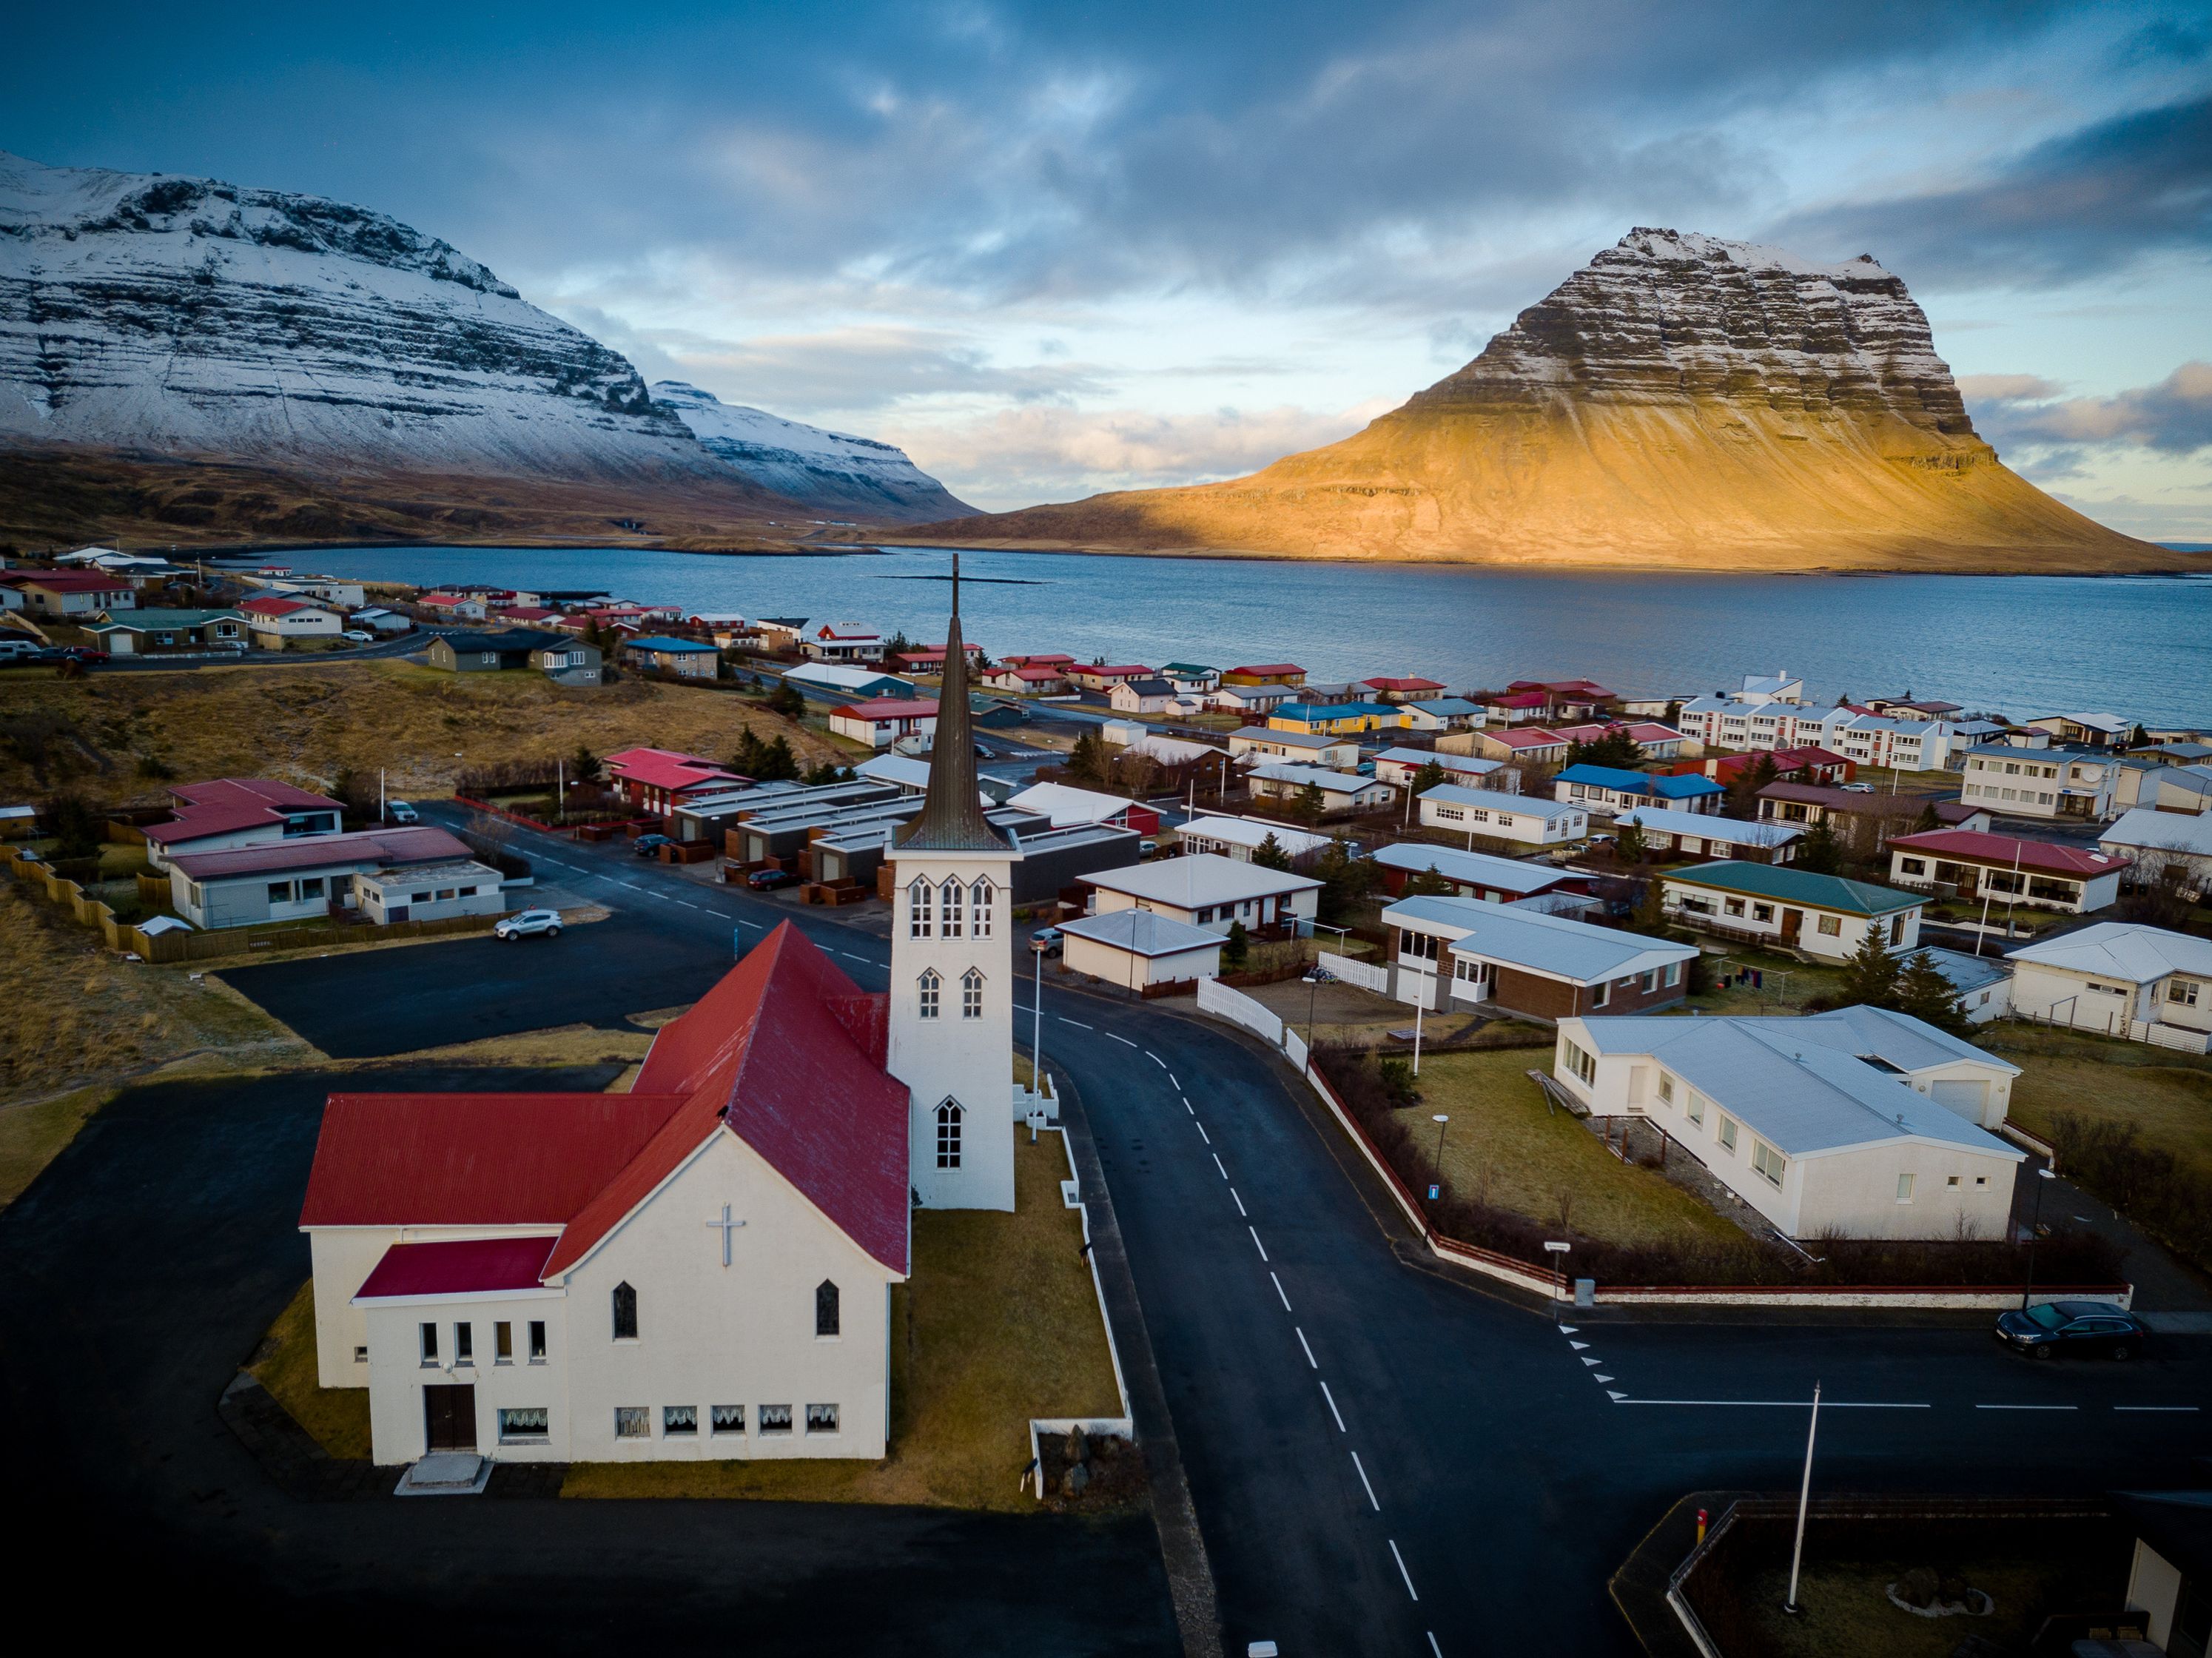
point(306, 724)
point(285, 1365)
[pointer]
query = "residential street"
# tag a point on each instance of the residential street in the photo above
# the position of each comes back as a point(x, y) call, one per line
point(1383, 1458)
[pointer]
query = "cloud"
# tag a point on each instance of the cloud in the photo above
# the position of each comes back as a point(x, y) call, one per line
point(2007, 388)
point(2172, 417)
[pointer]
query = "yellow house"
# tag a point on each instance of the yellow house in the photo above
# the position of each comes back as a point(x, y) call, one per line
point(1330, 719)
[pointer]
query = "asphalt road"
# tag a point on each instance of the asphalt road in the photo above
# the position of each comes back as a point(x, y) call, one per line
point(1383, 1458)
point(137, 1274)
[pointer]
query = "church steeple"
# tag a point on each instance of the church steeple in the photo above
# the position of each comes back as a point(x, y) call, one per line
point(951, 820)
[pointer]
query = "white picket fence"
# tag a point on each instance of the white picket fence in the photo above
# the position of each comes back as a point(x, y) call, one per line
point(1368, 975)
point(2173, 1036)
point(1216, 997)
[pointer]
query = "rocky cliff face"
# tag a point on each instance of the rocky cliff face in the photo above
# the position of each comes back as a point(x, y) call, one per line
point(849, 477)
point(1680, 401)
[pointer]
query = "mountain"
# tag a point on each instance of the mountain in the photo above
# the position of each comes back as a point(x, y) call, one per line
point(856, 478)
point(1680, 401)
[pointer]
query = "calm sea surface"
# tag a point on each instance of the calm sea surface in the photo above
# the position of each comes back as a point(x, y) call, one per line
point(2022, 646)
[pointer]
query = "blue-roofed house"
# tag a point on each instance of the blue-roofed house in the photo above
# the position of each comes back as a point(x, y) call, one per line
point(1859, 1123)
point(1331, 718)
point(1440, 714)
point(1606, 789)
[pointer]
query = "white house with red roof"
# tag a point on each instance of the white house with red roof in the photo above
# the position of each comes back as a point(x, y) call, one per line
point(697, 1270)
point(841, 642)
point(2040, 875)
point(879, 721)
point(227, 812)
point(275, 623)
point(656, 780)
point(63, 593)
point(453, 607)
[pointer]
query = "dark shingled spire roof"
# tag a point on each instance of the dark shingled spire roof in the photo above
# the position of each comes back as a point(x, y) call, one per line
point(952, 819)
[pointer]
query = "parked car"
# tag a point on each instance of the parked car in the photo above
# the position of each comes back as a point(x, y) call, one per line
point(646, 846)
point(18, 650)
point(79, 654)
point(1146, 847)
point(1857, 787)
point(1047, 941)
point(399, 811)
point(359, 636)
point(767, 881)
point(527, 924)
point(2087, 1329)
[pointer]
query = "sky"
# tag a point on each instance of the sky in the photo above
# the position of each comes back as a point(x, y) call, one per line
point(1051, 250)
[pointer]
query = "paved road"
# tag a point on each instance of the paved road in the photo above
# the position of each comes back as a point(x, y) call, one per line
point(139, 1272)
point(1382, 1458)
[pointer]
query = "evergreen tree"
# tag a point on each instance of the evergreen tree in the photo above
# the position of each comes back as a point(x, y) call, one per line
point(1087, 761)
point(1345, 881)
point(1428, 883)
point(1743, 792)
point(1821, 853)
point(1614, 748)
point(1269, 853)
point(786, 700)
point(1651, 908)
point(897, 645)
point(1235, 947)
point(77, 829)
point(1927, 820)
point(2139, 738)
point(1923, 992)
point(1431, 775)
point(584, 765)
point(1871, 976)
point(1628, 843)
point(778, 764)
point(1309, 804)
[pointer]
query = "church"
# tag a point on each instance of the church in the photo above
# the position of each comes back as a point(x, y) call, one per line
point(699, 1267)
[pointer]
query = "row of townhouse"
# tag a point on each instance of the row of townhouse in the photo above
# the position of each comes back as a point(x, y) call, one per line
point(1854, 732)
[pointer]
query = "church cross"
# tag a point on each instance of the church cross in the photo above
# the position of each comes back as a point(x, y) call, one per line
point(726, 1227)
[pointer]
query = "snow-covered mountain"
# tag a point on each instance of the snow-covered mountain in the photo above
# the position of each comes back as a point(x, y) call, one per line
point(857, 477)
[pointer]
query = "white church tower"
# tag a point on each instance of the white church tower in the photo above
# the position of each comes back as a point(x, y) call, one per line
point(953, 968)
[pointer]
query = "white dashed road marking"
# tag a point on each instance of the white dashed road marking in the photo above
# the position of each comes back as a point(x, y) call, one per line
point(1436, 1649)
point(2028, 1407)
point(1310, 1360)
point(1363, 1480)
point(1241, 1210)
point(1402, 1572)
point(1172, 1083)
point(1202, 1134)
point(1217, 1163)
point(1278, 1291)
point(1785, 1403)
point(2156, 1407)
point(1332, 1411)
point(1123, 1041)
point(1078, 1023)
point(1156, 1060)
point(1256, 1244)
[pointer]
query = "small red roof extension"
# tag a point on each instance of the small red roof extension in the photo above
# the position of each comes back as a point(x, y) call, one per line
point(418, 843)
point(225, 804)
point(1528, 736)
point(277, 607)
point(1972, 846)
point(1522, 699)
point(664, 768)
point(457, 1267)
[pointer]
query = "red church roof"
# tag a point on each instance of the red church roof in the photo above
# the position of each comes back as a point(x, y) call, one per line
point(457, 1267)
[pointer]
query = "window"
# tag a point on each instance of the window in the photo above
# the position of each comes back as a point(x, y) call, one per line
point(1451, 814)
point(1423, 945)
point(312, 887)
point(971, 995)
point(1832, 926)
point(1648, 981)
point(930, 984)
point(625, 1307)
point(982, 901)
point(1762, 912)
point(537, 1341)
point(919, 897)
point(1951, 1182)
point(954, 894)
point(280, 891)
point(520, 1427)
point(1981, 1179)
point(1696, 1108)
point(774, 1419)
point(633, 1421)
point(1204, 915)
point(1728, 1132)
point(1905, 1188)
point(464, 1343)
point(1576, 1061)
point(948, 1137)
point(821, 1418)
point(1734, 905)
point(2182, 992)
point(1897, 930)
point(429, 1343)
point(679, 1419)
point(445, 894)
point(1767, 1160)
point(360, 1356)
point(467, 892)
point(727, 1419)
point(825, 1308)
point(1674, 974)
point(502, 1343)
point(1601, 993)
point(1483, 816)
point(1913, 866)
point(1666, 1087)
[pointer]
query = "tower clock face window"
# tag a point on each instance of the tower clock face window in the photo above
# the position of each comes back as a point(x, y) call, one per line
point(920, 907)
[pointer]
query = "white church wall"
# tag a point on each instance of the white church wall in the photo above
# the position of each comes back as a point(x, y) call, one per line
point(398, 1373)
point(341, 1257)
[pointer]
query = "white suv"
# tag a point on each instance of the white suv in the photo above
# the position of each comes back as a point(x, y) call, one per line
point(524, 923)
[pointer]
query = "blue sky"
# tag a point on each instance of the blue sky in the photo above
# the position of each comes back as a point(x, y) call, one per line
point(1057, 249)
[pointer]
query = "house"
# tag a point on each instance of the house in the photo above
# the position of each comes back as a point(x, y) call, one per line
point(152, 632)
point(1258, 744)
point(2158, 841)
point(1476, 875)
point(1340, 791)
point(1824, 915)
point(2085, 730)
point(1808, 765)
point(1168, 751)
point(1251, 701)
point(1402, 766)
point(1334, 719)
point(780, 633)
point(523, 615)
point(1497, 816)
point(1860, 1123)
point(1862, 819)
point(2164, 788)
point(2012, 781)
point(65, 594)
point(2170, 1575)
point(501, 650)
point(1744, 724)
point(2007, 870)
point(1578, 699)
point(1239, 838)
point(1137, 949)
point(418, 873)
point(453, 606)
point(689, 659)
point(1264, 673)
point(1913, 708)
point(376, 618)
point(1670, 833)
point(1192, 678)
point(1440, 714)
point(1147, 696)
point(1102, 677)
point(1057, 659)
point(1516, 707)
point(1066, 807)
point(930, 658)
point(2120, 978)
point(571, 661)
point(1983, 982)
point(1489, 958)
point(1206, 890)
point(276, 623)
point(232, 812)
point(879, 721)
point(1408, 688)
point(339, 593)
point(655, 780)
point(828, 678)
point(1523, 744)
point(1606, 789)
point(1029, 680)
point(1779, 686)
point(525, 1276)
point(841, 642)
point(1653, 741)
point(1871, 740)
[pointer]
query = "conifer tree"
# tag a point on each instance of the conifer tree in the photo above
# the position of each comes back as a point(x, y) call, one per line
point(1269, 853)
point(1431, 775)
point(1821, 853)
point(1311, 803)
point(1236, 947)
point(1927, 820)
point(1429, 884)
point(1628, 843)
point(1871, 976)
point(1925, 992)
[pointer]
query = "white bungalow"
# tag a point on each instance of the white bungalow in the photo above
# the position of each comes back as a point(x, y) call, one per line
point(2122, 979)
point(1503, 817)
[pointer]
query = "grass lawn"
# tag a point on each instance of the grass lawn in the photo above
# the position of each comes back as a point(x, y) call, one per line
point(1502, 1147)
point(999, 1324)
point(32, 1134)
point(1786, 986)
point(2169, 1099)
point(285, 1365)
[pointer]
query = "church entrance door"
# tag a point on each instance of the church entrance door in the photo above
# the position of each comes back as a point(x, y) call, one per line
point(449, 1419)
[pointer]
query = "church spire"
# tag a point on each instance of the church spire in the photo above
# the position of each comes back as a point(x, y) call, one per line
point(951, 820)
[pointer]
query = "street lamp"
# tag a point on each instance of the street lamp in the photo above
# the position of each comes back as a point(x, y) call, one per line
point(2034, 1231)
point(1804, 1495)
point(1436, 1164)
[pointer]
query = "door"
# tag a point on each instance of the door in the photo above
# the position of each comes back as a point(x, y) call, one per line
point(1793, 923)
point(449, 1419)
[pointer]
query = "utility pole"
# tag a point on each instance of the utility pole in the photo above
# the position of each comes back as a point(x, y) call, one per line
point(1804, 1495)
point(2034, 1231)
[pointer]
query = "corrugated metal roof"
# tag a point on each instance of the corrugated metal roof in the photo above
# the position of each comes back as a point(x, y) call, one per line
point(1799, 886)
point(457, 1267)
point(1199, 881)
point(1476, 868)
point(1542, 943)
point(419, 844)
point(2123, 950)
point(1142, 932)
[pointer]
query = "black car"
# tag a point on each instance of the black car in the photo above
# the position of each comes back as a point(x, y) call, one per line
point(767, 881)
point(2084, 1329)
point(646, 846)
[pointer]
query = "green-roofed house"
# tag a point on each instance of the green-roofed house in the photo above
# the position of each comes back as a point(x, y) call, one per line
point(1192, 678)
point(1824, 915)
point(151, 632)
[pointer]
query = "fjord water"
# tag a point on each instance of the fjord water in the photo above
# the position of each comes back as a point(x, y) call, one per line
point(2019, 645)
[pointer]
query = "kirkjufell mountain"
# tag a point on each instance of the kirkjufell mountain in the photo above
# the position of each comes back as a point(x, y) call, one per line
point(1680, 401)
point(212, 359)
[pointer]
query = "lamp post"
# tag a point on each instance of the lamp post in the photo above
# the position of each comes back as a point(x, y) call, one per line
point(1804, 1495)
point(2034, 1231)
point(1436, 1164)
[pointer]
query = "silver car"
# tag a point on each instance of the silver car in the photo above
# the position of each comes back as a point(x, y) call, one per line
point(523, 923)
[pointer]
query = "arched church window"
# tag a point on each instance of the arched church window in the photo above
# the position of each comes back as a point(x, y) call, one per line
point(983, 897)
point(948, 1135)
point(930, 984)
point(625, 1307)
point(953, 894)
point(971, 995)
point(921, 901)
point(825, 1308)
